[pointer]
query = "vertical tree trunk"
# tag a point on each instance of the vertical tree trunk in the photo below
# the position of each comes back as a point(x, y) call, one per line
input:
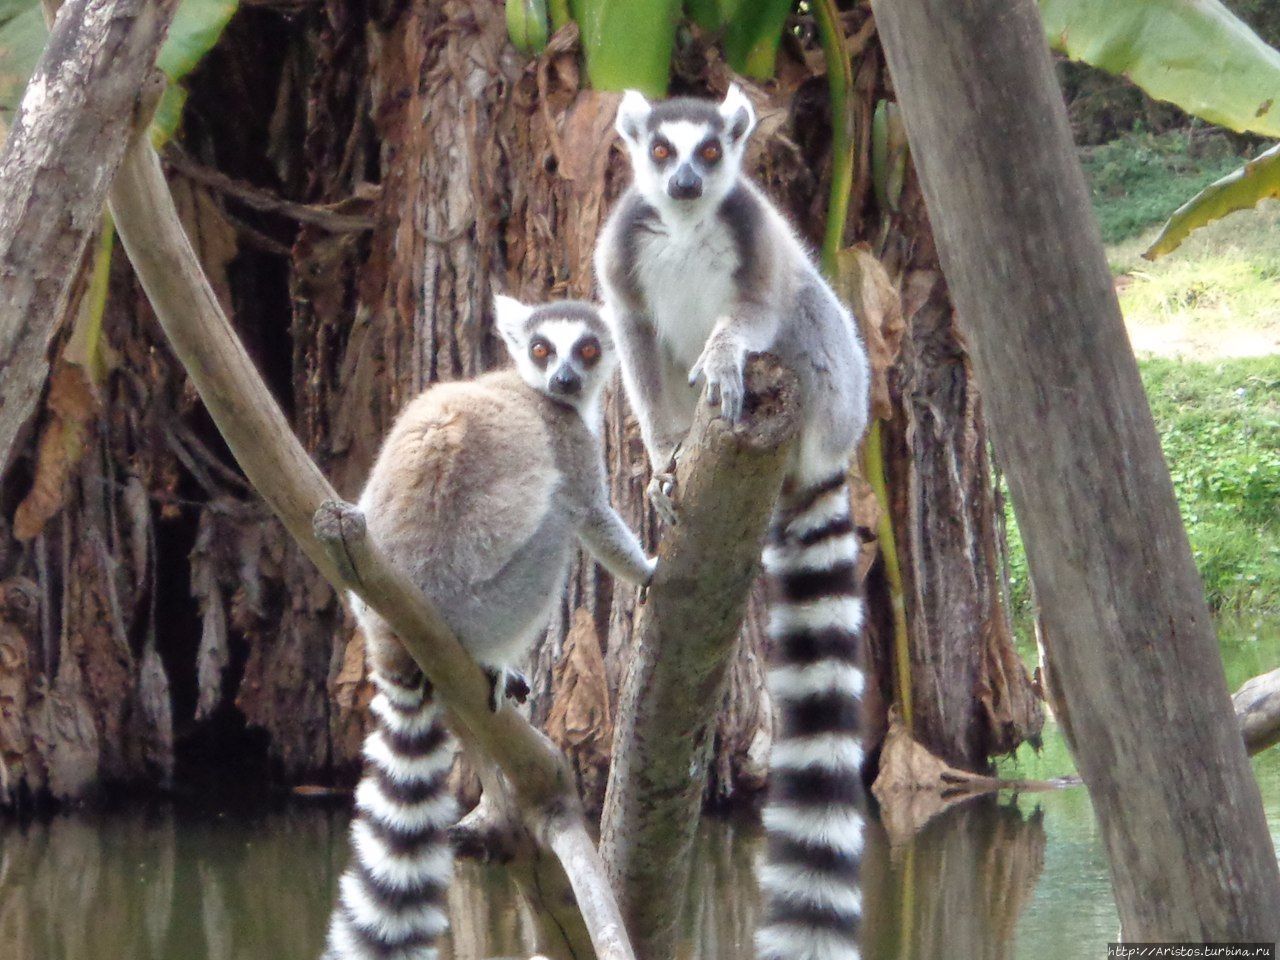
point(1137, 677)
point(971, 695)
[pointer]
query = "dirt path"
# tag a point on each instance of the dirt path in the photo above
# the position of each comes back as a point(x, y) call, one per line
point(1184, 338)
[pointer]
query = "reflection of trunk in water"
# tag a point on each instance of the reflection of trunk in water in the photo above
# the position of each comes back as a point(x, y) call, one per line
point(958, 887)
point(162, 884)
point(156, 886)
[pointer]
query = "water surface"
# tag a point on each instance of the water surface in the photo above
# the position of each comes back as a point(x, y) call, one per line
point(997, 878)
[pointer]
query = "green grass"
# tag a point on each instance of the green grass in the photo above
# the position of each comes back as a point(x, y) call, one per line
point(1219, 425)
point(1220, 430)
point(1205, 322)
point(1139, 179)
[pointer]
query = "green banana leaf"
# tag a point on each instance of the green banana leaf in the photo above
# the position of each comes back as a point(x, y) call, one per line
point(1194, 53)
point(753, 32)
point(197, 24)
point(527, 25)
point(1257, 180)
point(628, 43)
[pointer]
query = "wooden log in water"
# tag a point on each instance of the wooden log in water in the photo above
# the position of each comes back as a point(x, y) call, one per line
point(1257, 704)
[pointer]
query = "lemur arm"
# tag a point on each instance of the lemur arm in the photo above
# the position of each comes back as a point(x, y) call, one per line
point(752, 322)
point(750, 328)
point(612, 543)
point(608, 538)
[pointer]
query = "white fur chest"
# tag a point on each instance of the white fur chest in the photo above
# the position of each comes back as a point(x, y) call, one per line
point(686, 277)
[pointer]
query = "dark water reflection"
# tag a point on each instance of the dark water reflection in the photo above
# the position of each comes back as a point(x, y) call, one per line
point(994, 879)
point(162, 885)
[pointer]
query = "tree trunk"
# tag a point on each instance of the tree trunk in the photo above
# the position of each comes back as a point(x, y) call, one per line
point(480, 170)
point(686, 636)
point(971, 695)
point(1133, 662)
point(81, 107)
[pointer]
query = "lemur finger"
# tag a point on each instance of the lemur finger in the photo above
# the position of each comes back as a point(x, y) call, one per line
point(731, 407)
point(713, 393)
point(517, 686)
point(660, 491)
point(497, 687)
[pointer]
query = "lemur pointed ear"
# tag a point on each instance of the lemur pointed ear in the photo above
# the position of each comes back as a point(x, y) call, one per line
point(633, 111)
point(510, 315)
point(739, 115)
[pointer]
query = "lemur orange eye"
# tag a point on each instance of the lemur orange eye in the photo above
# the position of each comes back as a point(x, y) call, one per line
point(660, 151)
point(540, 350)
point(710, 153)
point(589, 352)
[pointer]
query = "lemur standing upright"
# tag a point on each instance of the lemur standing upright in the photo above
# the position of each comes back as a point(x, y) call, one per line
point(478, 494)
point(699, 270)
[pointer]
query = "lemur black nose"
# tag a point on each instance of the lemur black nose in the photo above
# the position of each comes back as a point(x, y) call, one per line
point(566, 381)
point(685, 184)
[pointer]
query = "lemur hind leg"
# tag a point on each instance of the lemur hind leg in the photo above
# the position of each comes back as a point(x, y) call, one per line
point(662, 489)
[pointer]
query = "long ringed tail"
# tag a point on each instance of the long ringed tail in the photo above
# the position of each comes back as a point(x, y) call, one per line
point(814, 813)
point(391, 900)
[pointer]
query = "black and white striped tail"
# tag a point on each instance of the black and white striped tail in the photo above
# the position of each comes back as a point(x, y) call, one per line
point(391, 901)
point(814, 814)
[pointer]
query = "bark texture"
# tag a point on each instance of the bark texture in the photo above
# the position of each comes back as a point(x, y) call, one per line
point(685, 638)
point(81, 107)
point(972, 698)
point(164, 624)
point(1134, 666)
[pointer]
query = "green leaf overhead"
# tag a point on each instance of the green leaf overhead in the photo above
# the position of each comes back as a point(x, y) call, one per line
point(196, 28)
point(752, 35)
point(1193, 53)
point(628, 43)
point(197, 25)
point(527, 25)
point(1257, 180)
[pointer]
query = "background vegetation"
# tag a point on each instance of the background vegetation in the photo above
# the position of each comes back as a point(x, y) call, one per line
point(1205, 322)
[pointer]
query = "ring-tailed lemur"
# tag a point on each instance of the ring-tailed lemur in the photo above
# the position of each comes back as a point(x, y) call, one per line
point(699, 270)
point(478, 494)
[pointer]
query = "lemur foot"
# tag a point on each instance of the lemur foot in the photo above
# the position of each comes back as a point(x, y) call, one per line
point(506, 685)
point(644, 587)
point(661, 492)
point(721, 367)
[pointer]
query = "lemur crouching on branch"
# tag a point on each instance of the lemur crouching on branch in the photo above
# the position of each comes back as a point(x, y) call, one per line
point(480, 493)
point(698, 270)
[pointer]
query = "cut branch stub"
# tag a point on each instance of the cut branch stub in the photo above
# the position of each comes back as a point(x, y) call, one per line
point(1257, 705)
point(726, 486)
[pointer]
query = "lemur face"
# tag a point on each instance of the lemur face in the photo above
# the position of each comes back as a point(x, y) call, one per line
point(561, 349)
point(684, 151)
